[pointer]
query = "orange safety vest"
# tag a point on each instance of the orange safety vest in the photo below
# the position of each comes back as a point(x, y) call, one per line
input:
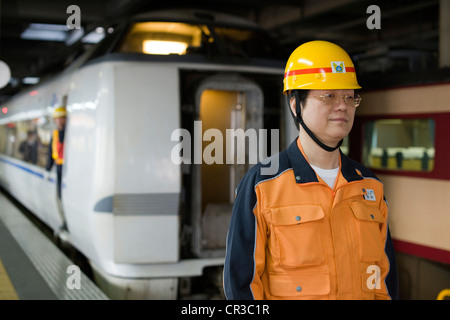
point(57, 148)
point(293, 237)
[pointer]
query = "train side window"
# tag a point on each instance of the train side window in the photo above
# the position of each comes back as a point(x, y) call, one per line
point(44, 134)
point(26, 144)
point(162, 38)
point(399, 144)
point(10, 139)
point(3, 139)
point(27, 140)
point(176, 38)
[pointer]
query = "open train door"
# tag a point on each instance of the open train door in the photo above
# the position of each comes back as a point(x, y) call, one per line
point(62, 229)
point(223, 103)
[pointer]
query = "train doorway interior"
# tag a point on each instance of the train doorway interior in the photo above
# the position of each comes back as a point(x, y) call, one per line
point(224, 105)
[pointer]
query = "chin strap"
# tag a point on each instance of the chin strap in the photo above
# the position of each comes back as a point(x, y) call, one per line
point(308, 131)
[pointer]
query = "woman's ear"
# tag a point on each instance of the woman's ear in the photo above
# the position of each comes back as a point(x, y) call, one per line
point(292, 105)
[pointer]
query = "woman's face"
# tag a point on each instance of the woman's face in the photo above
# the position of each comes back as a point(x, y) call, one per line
point(329, 114)
point(60, 123)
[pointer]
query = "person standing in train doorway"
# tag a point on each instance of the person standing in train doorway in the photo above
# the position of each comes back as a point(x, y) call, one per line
point(317, 228)
point(56, 155)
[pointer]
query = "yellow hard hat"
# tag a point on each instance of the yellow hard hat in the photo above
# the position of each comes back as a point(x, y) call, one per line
point(319, 65)
point(59, 112)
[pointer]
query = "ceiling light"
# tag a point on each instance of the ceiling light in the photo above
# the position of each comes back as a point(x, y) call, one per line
point(48, 26)
point(30, 80)
point(45, 32)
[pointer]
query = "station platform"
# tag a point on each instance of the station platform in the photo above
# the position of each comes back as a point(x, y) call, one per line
point(32, 267)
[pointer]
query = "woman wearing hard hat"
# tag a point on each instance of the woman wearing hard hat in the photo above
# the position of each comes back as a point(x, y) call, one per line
point(317, 228)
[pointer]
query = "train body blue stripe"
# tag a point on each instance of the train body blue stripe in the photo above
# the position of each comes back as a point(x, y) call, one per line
point(38, 174)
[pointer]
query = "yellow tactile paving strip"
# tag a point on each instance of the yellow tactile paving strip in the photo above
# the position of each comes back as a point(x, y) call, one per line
point(7, 291)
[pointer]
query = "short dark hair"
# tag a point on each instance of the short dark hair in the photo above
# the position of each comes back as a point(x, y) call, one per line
point(302, 95)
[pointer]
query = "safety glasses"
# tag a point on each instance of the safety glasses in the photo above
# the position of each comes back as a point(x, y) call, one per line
point(332, 100)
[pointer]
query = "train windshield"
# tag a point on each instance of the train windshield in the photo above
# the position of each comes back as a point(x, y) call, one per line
point(175, 38)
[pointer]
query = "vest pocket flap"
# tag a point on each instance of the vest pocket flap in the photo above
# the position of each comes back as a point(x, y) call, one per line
point(367, 212)
point(291, 215)
point(303, 285)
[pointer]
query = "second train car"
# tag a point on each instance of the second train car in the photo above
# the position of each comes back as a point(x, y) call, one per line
point(401, 133)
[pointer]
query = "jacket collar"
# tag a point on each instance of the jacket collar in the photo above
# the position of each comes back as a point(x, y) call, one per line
point(304, 173)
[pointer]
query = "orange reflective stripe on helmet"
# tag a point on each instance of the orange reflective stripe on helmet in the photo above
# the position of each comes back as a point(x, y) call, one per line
point(315, 70)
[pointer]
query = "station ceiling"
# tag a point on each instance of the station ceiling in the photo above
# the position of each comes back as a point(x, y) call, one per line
point(406, 25)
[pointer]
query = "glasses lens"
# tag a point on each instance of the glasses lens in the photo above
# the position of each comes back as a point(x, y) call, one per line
point(352, 101)
point(329, 99)
point(333, 100)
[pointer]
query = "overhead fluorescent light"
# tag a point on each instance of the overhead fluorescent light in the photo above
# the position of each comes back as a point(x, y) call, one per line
point(95, 36)
point(59, 32)
point(30, 80)
point(164, 47)
point(45, 32)
point(48, 26)
point(44, 35)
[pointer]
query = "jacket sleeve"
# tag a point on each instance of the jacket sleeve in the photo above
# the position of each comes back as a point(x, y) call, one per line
point(392, 276)
point(245, 251)
point(389, 269)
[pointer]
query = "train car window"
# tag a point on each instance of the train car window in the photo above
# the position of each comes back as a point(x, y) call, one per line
point(162, 38)
point(10, 143)
point(175, 38)
point(27, 140)
point(399, 144)
point(44, 128)
point(26, 145)
point(247, 43)
point(3, 138)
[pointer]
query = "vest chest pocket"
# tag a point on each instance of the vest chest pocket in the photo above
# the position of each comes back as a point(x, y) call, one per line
point(298, 235)
point(368, 226)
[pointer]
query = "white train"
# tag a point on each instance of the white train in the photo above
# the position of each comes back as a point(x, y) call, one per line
point(149, 227)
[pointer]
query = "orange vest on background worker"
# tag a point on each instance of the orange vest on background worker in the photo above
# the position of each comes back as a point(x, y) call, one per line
point(57, 148)
point(57, 145)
